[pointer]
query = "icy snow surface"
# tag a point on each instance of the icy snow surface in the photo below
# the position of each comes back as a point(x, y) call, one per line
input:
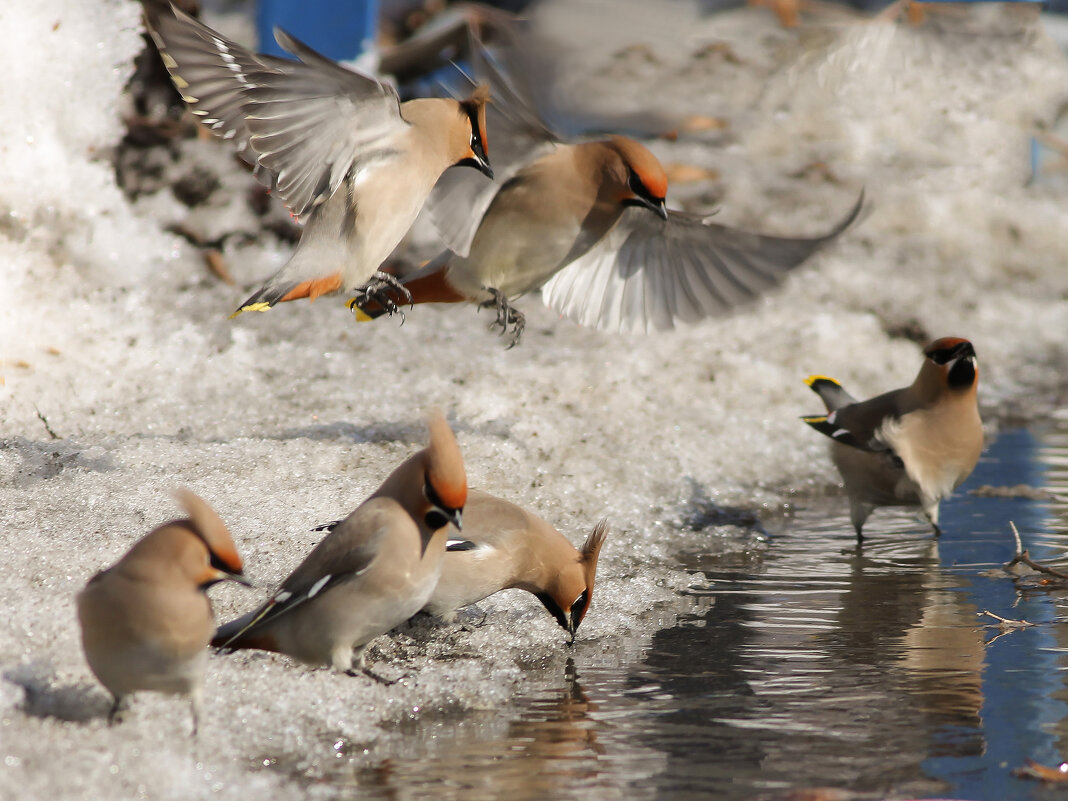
point(115, 338)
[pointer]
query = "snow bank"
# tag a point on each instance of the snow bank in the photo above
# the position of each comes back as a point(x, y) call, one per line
point(115, 341)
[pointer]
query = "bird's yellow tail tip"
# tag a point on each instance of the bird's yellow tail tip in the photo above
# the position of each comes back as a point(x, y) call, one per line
point(812, 379)
point(257, 307)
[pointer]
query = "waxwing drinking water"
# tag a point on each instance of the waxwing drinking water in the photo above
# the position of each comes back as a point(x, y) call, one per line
point(373, 570)
point(911, 446)
point(347, 157)
point(146, 621)
point(504, 546)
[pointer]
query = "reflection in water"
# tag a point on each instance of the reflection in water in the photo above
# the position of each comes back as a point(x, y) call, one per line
point(802, 666)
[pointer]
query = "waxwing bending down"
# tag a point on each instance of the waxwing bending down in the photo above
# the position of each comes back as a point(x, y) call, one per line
point(911, 446)
point(586, 223)
point(504, 546)
point(146, 621)
point(346, 156)
point(373, 570)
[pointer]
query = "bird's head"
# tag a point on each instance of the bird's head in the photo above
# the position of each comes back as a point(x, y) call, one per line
point(645, 183)
point(568, 596)
point(444, 478)
point(953, 361)
point(473, 111)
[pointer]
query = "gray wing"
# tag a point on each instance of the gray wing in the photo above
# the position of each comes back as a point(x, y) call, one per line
point(306, 124)
point(648, 274)
point(347, 550)
point(518, 136)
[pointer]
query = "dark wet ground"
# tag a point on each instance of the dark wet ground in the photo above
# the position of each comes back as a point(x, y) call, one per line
point(802, 663)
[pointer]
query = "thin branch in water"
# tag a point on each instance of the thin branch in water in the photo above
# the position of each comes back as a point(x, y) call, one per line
point(1006, 623)
point(1023, 557)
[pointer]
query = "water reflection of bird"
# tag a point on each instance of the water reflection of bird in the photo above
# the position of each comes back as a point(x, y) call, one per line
point(547, 750)
point(911, 446)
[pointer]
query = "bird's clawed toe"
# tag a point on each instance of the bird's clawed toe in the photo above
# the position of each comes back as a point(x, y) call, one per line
point(507, 315)
point(383, 294)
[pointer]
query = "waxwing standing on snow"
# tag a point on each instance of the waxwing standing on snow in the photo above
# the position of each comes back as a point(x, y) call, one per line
point(346, 156)
point(146, 621)
point(373, 570)
point(504, 546)
point(911, 446)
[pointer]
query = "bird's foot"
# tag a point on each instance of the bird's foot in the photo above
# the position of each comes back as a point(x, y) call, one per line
point(117, 711)
point(507, 315)
point(366, 671)
point(383, 294)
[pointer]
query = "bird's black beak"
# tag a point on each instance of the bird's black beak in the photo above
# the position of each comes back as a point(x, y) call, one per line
point(480, 161)
point(655, 205)
point(457, 519)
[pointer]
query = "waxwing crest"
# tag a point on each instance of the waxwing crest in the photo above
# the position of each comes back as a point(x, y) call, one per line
point(591, 550)
point(444, 463)
point(211, 529)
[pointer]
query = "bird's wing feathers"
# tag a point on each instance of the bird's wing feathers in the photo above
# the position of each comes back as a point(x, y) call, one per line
point(346, 552)
point(461, 196)
point(305, 124)
point(650, 274)
point(869, 425)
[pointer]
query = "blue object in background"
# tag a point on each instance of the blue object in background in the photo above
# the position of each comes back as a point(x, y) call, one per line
point(340, 29)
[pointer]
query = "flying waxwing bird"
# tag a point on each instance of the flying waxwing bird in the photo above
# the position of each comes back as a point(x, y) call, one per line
point(588, 225)
point(505, 547)
point(146, 621)
point(911, 446)
point(337, 146)
point(373, 570)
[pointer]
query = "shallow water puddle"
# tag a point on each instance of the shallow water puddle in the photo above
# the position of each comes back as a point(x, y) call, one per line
point(802, 664)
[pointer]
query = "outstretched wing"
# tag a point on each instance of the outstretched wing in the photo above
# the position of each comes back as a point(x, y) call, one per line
point(647, 273)
point(306, 124)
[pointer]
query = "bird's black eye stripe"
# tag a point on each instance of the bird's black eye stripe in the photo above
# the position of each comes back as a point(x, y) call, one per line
point(638, 188)
point(945, 355)
point(439, 508)
point(432, 496)
point(477, 145)
point(578, 609)
point(941, 356)
point(553, 609)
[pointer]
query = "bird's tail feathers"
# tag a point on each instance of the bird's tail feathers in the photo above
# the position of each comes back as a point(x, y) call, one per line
point(830, 391)
point(273, 293)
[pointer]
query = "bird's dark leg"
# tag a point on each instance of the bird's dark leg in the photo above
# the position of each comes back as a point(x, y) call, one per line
point(116, 711)
point(366, 671)
point(507, 315)
point(381, 290)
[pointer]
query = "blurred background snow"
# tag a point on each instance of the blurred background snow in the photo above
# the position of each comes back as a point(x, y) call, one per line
point(121, 376)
